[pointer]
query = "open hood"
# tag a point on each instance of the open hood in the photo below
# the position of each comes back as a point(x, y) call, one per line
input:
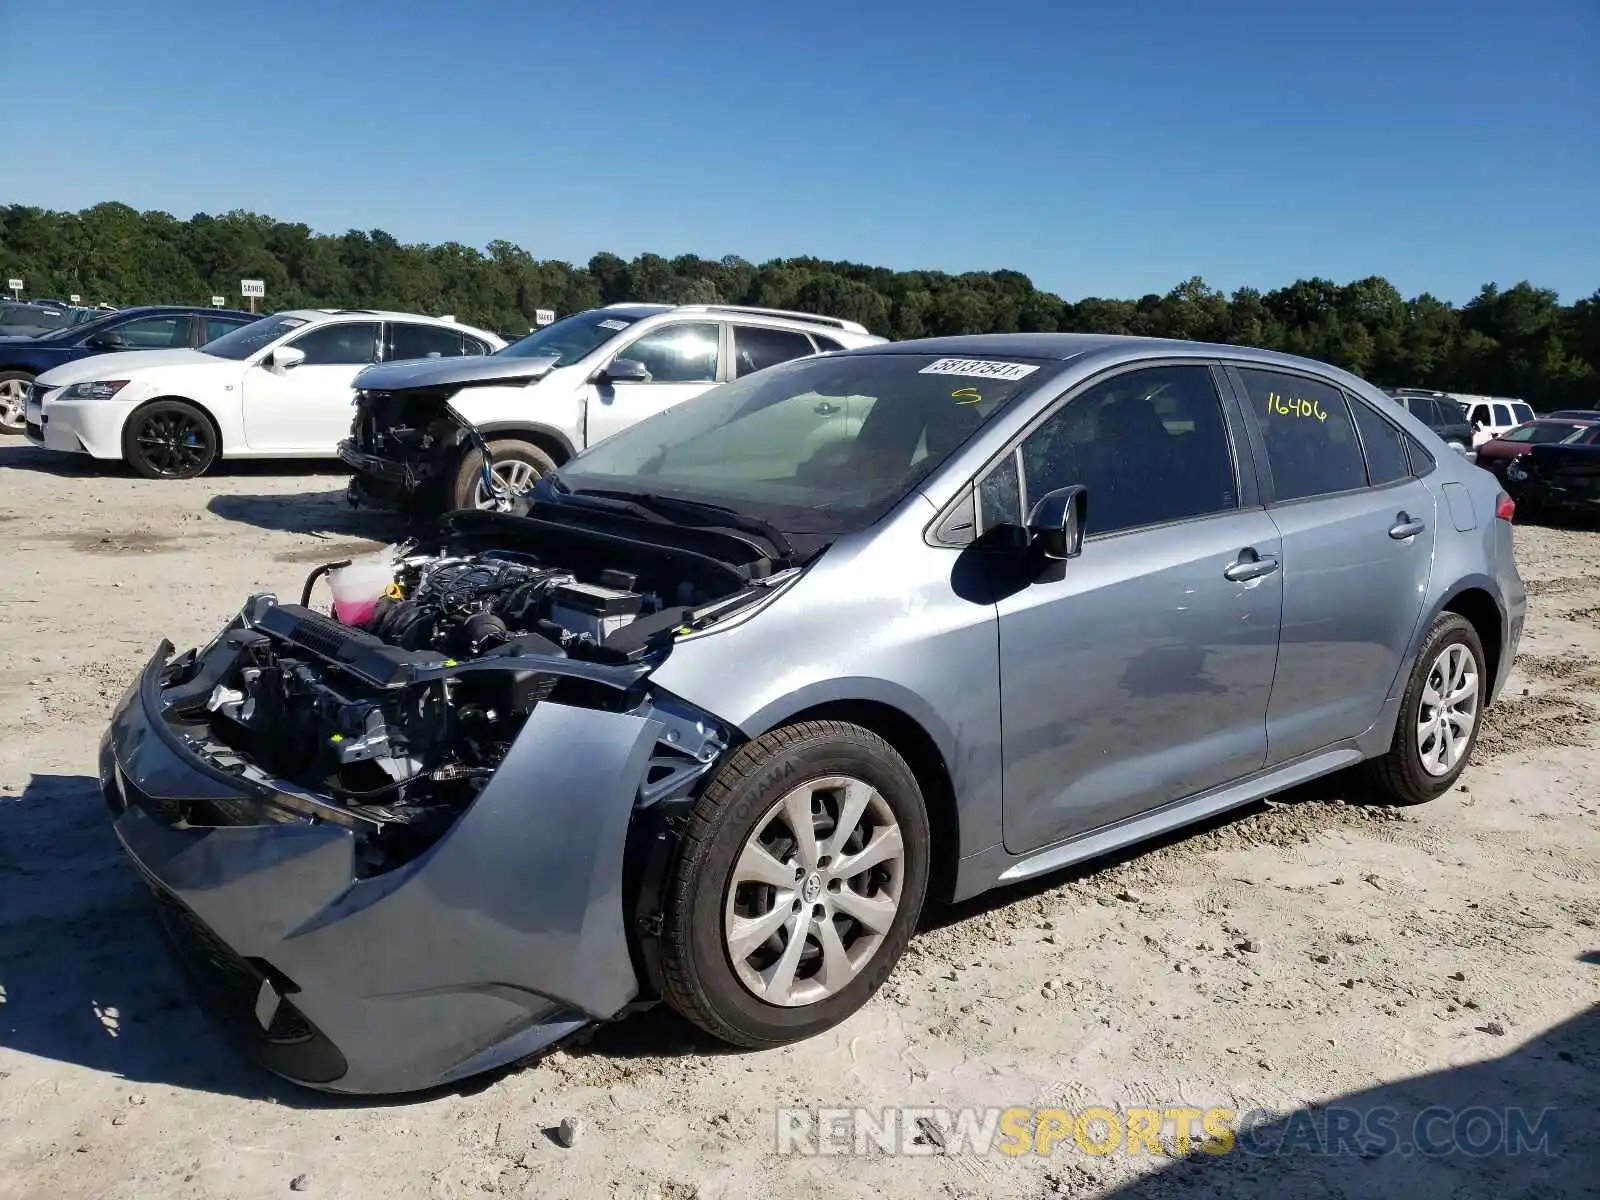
point(453, 372)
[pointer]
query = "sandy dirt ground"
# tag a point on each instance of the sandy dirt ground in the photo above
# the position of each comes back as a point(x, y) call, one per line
point(1307, 952)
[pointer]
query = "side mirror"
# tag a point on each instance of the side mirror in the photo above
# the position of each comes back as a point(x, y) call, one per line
point(623, 370)
point(1057, 522)
point(106, 341)
point(285, 357)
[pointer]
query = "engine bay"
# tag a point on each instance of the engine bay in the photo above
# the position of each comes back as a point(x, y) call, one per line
point(395, 717)
point(466, 605)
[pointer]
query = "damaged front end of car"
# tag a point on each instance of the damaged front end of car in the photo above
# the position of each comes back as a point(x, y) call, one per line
point(406, 439)
point(399, 849)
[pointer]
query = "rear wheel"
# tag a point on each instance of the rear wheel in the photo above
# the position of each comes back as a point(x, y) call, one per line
point(518, 465)
point(169, 439)
point(799, 884)
point(13, 400)
point(1439, 715)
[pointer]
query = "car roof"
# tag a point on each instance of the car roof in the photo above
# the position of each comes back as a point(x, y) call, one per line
point(380, 314)
point(156, 309)
point(1063, 347)
point(745, 313)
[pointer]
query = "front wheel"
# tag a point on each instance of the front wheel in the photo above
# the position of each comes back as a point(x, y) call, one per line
point(14, 400)
point(800, 880)
point(169, 439)
point(518, 465)
point(1439, 715)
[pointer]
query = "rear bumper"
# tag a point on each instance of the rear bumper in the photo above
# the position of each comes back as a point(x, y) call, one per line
point(500, 939)
point(1532, 490)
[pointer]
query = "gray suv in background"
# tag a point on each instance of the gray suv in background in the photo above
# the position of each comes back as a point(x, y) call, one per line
point(744, 685)
point(1440, 412)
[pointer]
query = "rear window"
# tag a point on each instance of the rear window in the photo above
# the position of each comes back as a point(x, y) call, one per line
point(1310, 438)
point(1385, 451)
point(1544, 433)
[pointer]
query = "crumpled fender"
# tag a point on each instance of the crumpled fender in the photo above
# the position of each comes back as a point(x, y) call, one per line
point(505, 934)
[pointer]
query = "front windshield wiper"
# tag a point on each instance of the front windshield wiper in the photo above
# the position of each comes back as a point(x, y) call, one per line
point(728, 517)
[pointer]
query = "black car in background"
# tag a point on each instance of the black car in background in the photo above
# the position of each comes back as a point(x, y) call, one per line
point(151, 327)
point(1440, 412)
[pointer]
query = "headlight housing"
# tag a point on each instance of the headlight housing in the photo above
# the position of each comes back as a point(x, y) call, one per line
point(100, 389)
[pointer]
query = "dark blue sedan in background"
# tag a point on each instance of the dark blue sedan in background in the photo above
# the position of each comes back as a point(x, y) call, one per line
point(151, 327)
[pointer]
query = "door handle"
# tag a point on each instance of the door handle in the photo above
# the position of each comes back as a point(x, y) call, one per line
point(1404, 526)
point(825, 409)
point(1249, 565)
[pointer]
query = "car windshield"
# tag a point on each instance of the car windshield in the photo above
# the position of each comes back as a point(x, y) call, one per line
point(570, 338)
point(1544, 432)
point(818, 445)
point(247, 339)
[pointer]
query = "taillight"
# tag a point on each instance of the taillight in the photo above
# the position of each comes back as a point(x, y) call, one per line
point(1505, 508)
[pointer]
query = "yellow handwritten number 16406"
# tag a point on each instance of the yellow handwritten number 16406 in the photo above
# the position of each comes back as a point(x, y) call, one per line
point(1294, 408)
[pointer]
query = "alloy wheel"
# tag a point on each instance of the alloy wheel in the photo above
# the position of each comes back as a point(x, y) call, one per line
point(13, 404)
point(814, 891)
point(1449, 709)
point(173, 443)
point(515, 476)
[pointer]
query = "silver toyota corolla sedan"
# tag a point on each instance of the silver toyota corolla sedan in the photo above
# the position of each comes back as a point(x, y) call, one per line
point(736, 692)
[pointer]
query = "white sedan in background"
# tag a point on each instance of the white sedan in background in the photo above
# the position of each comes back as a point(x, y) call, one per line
point(280, 387)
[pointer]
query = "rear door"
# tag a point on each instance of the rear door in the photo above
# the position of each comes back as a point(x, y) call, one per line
point(412, 339)
point(1358, 536)
point(307, 409)
point(684, 358)
point(214, 327)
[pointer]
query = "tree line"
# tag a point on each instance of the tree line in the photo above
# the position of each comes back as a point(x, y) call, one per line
point(1518, 341)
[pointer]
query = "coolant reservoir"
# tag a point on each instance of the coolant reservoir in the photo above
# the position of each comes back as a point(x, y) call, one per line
point(359, 585)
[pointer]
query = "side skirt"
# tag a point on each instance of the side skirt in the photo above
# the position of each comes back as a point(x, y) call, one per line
point(992, 867)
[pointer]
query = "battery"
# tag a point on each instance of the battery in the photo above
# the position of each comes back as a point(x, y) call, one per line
point(589, 608)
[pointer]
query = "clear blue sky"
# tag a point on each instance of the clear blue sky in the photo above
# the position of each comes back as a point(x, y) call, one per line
point(1102, 148)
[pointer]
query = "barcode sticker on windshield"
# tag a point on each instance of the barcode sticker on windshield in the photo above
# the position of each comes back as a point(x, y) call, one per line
point(978, 368)
point(613, 324)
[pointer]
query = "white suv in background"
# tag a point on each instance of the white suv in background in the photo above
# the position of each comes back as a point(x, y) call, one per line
point(557, 392)
point(1492, 416)
point(280, 387)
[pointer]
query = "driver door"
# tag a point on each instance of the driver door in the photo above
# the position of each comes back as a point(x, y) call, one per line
point(1142, 673)
point(307, 409)
point(684, 358)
